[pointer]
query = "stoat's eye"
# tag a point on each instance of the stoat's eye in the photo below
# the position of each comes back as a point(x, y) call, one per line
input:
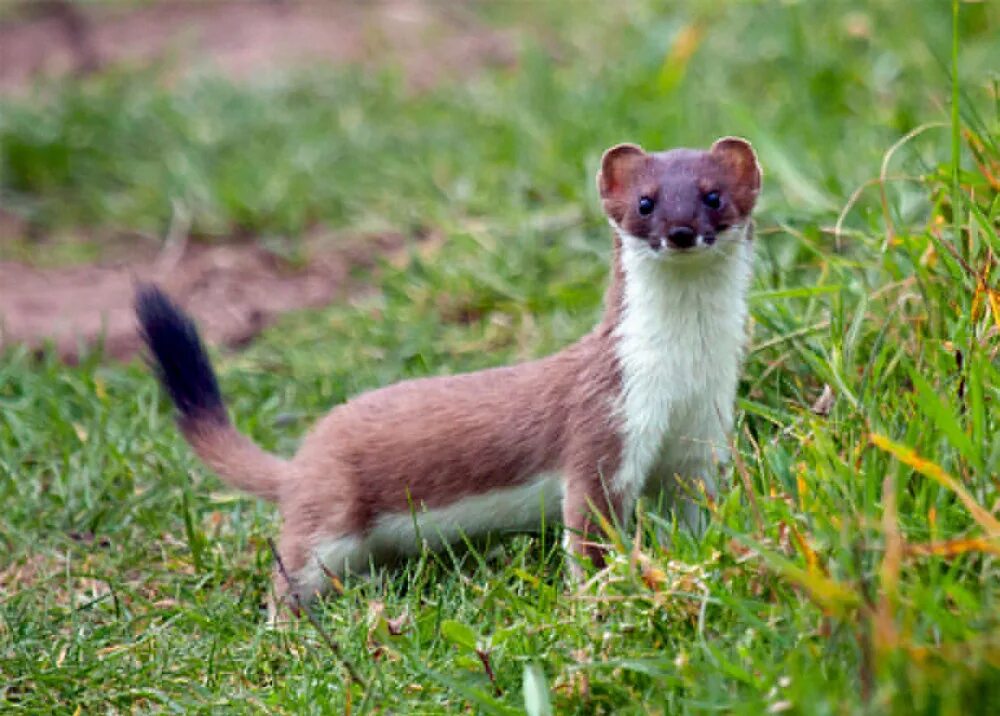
point(712, 200)
point(645, 205)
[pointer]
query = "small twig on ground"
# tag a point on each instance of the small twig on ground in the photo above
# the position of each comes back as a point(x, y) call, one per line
point(303, 608)
point(484, 656)
point(741, 470)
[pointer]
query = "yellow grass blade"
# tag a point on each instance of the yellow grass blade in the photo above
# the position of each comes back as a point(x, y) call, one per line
point(606, 527)
point(994, 297)
point(935, 472)
point(676, 60)
point(950, 548)
point(827, 593)
point(811, 559)
point(886, 636)
point(977, 301)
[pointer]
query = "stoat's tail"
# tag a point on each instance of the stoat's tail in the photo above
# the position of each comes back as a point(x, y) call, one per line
point(185, 371)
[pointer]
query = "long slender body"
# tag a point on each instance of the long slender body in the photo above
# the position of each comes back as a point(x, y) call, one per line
point(640, 405)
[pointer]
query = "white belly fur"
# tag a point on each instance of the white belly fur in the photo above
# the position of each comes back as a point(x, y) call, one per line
point(514, 509)
point(680, 345)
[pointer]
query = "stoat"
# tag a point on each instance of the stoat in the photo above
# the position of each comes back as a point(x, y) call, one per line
point(641, 405)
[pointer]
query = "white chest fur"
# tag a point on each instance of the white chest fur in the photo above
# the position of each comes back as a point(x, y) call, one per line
point(680, 343)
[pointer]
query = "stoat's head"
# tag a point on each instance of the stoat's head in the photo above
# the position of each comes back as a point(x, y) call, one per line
point(680, 202)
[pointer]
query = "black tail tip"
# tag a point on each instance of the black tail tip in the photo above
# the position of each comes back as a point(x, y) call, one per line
point(179, 357)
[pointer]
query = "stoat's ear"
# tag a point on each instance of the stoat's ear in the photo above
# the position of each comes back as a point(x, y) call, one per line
point(739, 161)
point(619, 166)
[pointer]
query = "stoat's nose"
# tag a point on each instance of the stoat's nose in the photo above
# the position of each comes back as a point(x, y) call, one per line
point(681, 237)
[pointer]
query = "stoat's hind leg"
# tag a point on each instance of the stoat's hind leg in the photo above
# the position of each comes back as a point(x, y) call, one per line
point(289, 560)
point(310, 570)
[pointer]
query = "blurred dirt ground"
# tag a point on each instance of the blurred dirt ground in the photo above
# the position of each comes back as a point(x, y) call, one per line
point(428, 40)
point(233, 290)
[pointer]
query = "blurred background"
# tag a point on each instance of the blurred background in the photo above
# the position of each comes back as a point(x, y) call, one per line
point(253, 155)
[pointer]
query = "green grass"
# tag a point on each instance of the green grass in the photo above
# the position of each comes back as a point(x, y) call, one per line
point(131, 580)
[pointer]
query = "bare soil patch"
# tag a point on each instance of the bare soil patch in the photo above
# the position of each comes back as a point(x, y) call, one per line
point(233, 291)
point(243, 39)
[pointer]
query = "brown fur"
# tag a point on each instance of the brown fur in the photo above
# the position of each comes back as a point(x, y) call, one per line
point(235, 458)
point(729, 167)
point(430, 442)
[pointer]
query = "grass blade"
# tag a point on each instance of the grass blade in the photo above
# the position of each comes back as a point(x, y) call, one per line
point(927, 468)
